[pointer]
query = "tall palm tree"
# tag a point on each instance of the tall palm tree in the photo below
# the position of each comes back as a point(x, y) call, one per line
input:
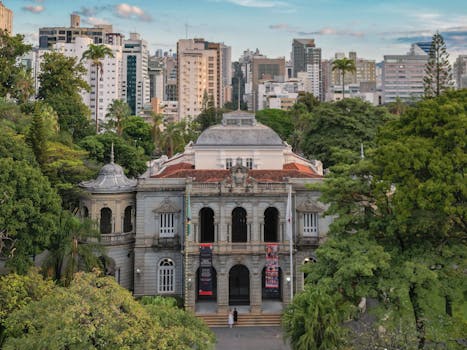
point(95, 53)
point(172, 139)
point(75, 248)
point(344, 65)
point(117, 111)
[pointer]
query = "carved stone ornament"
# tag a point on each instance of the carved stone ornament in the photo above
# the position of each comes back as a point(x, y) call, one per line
point(167, 206)
point(309, 206)
point(239, 175)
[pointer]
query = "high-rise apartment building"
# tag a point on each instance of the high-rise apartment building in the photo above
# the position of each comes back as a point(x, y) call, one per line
point(420, 48)
point(199, 76)
point(105, 88)
point(265, 69)
point(403, 77)
point(6, 18)
point(306, 57)
point(460, 72)
point(135, 88)
point(49, 36)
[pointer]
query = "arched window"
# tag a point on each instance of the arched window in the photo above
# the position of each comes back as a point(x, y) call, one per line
point(239, 226)
point(271, 224)
point(85, 212)
point(127, 222)
point(166, 276)
point(106, 220)
point(207, 225)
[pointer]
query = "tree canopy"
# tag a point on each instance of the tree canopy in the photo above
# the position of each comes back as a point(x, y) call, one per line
point(438, 73)
point(398, 235)
point(29, 208)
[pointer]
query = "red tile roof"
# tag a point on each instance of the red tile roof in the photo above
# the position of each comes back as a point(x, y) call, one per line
point(183, 170)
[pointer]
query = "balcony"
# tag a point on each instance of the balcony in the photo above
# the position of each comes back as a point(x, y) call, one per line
point(167, 242)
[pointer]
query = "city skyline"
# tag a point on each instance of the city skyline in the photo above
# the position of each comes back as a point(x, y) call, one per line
point(372, 28)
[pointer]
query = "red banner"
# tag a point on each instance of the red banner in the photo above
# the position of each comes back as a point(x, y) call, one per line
point(272, 266)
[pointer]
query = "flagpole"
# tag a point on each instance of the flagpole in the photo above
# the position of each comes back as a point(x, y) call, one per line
point(187, 233)
point(290, 236)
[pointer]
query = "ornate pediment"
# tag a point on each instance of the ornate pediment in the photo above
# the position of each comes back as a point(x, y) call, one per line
point(310, 206)
point(167, 206)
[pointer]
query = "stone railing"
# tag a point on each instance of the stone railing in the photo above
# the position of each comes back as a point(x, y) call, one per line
point(239, 248)
point(117, 238)
point(167, 242)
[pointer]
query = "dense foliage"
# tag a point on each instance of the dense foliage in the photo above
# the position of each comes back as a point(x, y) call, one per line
point(399, 233)
point(438, 73)
point(94, 312)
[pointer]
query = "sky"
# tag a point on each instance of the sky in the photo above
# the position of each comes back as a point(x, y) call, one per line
point(372, 28)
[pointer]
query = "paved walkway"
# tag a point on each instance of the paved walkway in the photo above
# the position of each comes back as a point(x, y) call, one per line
point(250, 338)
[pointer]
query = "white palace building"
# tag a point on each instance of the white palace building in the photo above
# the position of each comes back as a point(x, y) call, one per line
point(209, 225)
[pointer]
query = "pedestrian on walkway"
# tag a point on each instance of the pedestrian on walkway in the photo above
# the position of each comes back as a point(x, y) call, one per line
point(235, 316)
point(230, 320)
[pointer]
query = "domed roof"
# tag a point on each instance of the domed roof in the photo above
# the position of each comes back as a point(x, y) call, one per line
point(111, 179)
point(239, 129)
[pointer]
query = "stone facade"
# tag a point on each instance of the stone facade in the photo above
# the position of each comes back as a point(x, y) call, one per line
point(237, 209)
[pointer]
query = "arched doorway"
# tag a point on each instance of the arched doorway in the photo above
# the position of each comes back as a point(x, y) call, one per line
point(207, 225)
point(212, 297)
point(239, 285)
point(271, 293)
point(239, 226)
point(271, 224)
point(106, 220)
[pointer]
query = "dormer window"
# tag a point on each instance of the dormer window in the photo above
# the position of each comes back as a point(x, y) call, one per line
point(228, 163)
point(249, 163)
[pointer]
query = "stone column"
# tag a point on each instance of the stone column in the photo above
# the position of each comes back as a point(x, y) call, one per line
point(255, 291)
point(222, 290)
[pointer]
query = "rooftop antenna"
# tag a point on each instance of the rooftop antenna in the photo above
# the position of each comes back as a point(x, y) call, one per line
point(362, 155)
point(112, 153)
point(186, 30)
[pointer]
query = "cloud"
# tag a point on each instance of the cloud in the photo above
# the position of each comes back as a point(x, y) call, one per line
point(94, 21)
point(259, 3)
point(130, 11)
point(34, 8)
point(324, 31)
point(91, 11)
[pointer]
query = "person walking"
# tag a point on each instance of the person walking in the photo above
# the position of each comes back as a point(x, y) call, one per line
point(230, 320)
point(235, 316)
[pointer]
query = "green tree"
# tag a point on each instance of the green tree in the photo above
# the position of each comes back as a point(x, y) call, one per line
point(157, 121)
point(95, 54)
point(23, 86)
point(117, 112)
point(343, 125)
point(92, 313)
point(74, 248)
point(183, 330)
point(131, 158)
point(438, 73)
point(43, 125)
point(60, 85)
point(13, 145)
point(172, 139)
point(16, 291)
point(312, 321)
point(29, 209)
point(137, 131)
point(278, 120)
point(344, 65)
point(399, 228)
point(11, 48)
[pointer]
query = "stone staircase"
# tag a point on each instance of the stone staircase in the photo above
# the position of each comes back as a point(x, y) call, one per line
point(244, 320)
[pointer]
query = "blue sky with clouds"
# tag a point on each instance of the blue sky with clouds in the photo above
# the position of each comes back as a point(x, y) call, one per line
point(373, 28)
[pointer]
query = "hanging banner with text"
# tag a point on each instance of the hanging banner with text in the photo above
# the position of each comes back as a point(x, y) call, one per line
point(205, 269)
point(271, 275)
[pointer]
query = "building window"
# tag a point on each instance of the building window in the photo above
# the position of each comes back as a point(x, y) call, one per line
point(106, 221)
point(228, 163)
point(166, 276)
point(310, 224)
point(127, 219)
point(249, 163)
point(167, 225)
